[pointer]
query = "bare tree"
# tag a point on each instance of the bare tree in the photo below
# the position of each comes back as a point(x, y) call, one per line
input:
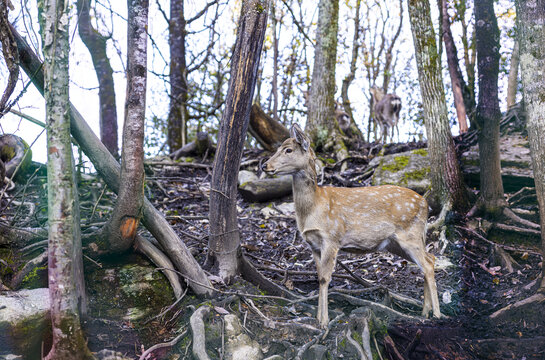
point(512, 81)
point(96, 44)
point(530, 19)
point(224, 240)
point(456, 78)
point(491, 199)
point(448, 189)
point(65, 265)
point(321, 125)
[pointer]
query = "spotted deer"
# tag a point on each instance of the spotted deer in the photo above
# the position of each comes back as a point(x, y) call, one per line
point(342, 117)
point(386, 108)
point(360, 220)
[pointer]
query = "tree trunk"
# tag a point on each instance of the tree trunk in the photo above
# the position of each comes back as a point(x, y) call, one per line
point(352, 73)
point(109, 170)
point(321, 125)
point(120, 231)
point(65, 266)
point(488, 114)
point(469, 62)
point(224, 240)
point(530, 19)
point(448, 188)
point(268, 132)
point(96, 44)
point(456, 78)
point(512, 81)
point(178, 114)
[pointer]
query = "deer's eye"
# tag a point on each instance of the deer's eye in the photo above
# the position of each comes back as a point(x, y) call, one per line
point(288, 150)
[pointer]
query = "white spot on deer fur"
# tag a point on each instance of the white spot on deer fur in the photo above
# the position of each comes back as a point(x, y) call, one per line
point(403, 217)
point(412, 206)
point(398, 206)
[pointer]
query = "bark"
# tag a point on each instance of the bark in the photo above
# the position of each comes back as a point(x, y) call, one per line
point(224, 240)
point(456, 78)
point(530, 19)
point(120, 231)
point(321, 126)
point(96, 44)
point(268, 132)
point(469, 62)
point(65, 266)
point(488, 114)
point(9, 51)
point(276, 27)
point(446, 178)
point(178, 114)
point(352, 73)
point(512, 81)
point(109, 170)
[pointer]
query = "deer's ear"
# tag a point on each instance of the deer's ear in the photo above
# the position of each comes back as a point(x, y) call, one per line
point(300, 137)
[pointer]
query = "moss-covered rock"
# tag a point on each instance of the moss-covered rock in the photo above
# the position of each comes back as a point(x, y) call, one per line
point(408, 169)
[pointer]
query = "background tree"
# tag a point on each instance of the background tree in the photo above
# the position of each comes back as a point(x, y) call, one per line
point(448, 189)
point(512, 82)
point(96, 44)
point(65, 266)
point(488, 116)
point(224, 240)
point(531, 38)
point(321, 125)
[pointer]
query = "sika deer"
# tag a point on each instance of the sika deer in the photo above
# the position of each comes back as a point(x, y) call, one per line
point(361, 219)
point(387, 108)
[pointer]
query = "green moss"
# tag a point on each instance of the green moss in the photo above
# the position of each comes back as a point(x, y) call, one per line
point(417, 175)
point(259, 8)
point(399, 163)
point(421, 152)
point(33, 279)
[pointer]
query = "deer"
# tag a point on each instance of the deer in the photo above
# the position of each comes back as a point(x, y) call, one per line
point(342, 118)
point(358, 220)
point(386, 108)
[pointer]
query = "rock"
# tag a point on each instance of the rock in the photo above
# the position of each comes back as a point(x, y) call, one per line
point(516, 163)
point(316, 352)
point(239, 345)
point(287, 208)
point(408, 169)
point(111, 355)
point(24, 321)
point(245, 176)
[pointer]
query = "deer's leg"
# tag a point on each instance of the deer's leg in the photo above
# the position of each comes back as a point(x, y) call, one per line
point(325, 256)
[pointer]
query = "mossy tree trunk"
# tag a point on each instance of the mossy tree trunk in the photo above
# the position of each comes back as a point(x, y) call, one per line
point(321, 125)
point(531, 37)
point(178, 114)
point(488, 116)
point(224, 240)
point(120, 231)
point(448, 189)
point(65, 266)
point(96, 44)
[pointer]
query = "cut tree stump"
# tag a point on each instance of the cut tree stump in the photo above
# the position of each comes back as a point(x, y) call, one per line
point(268, 132)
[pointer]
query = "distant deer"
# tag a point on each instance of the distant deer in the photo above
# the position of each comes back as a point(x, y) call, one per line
point(358, 220)
point(387, 108)
point(343, 119)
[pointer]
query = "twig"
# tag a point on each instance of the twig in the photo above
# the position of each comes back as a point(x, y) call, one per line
point(162, 345)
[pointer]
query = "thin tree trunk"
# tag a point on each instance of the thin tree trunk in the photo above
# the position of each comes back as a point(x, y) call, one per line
point(448, 188)
point(224, 239)
point(469, 61)
point(512, 81)
point(65, 266)
point(321, 125)
point(347, 81)
point(96, 44)
point(178, 114)
point(488, 117)
point(456, 78)
point(109, 170)
point(276, 30)
point(530, 20)
point(120, 231)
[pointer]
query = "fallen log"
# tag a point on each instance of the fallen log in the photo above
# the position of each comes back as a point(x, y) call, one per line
point(266, 189)
point(109, 170)
point(268, 132)
point(199, 147)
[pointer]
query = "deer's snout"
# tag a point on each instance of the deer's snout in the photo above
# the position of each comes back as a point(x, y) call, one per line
point(267, 167)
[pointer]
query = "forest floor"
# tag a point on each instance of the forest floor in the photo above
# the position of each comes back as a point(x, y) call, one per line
point(471, 287)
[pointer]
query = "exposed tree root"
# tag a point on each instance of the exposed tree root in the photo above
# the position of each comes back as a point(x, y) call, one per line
point(197, 328)
point(161, 261)
point(440, 221)
point(391, 348)
point(250, 273)
point(538, 298)
point(517, 219)
point(373, 306)
point(20, 237)
point(162, 345)
point(355, 344)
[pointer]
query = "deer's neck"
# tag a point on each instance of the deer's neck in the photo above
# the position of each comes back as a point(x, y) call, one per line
point(304, 193)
